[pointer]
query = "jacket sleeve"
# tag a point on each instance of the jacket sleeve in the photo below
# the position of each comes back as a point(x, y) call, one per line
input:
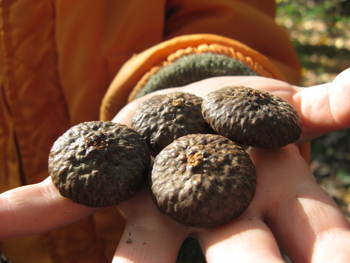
point(198, 33)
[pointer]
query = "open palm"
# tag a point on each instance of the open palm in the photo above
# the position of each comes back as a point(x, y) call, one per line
point(289, 209)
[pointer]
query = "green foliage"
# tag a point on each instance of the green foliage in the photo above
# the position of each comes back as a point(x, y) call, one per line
point(329, 11)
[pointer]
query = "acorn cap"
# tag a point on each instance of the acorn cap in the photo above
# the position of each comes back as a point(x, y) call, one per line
point(203, 180)
point(251, 117)
point(164, 118)
point(99, 163)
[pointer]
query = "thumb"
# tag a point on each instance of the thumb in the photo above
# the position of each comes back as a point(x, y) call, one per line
point(343, 78)
point(325, 108)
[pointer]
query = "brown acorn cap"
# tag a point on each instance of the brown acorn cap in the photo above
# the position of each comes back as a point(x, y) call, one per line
point(99, 163)
point(203, 180)
point(251, 117)
point(163, 118)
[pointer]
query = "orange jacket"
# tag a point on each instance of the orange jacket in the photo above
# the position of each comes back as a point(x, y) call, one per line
point(58, 66)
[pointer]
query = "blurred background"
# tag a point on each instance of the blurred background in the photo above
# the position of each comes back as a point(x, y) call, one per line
point(320, 32)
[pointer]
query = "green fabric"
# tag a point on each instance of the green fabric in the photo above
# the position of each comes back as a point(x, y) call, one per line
point(190, 252)
point(194, 67)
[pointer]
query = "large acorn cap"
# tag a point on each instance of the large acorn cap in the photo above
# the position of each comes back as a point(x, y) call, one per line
point(99, 163)
point(163, 118)
point(251, 117)
point(203, 180)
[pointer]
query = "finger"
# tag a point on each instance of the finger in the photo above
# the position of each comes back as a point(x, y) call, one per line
point(247, 239)
point(315, 227)
point(306, 222)
point(277, 87)
point(35, 202)
point(310, 226)
point(148, 244)
point(325, 108)
point(203, 87)
point(322, 108)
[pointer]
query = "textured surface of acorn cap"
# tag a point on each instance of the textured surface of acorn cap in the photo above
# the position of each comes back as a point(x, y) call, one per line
point(99, 163)
point(251, 117)
point(163, 118)
point(203, 180)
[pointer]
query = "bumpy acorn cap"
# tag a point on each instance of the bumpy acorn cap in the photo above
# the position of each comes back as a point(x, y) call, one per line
point(251, 117)
point(203, 180)
point(99, 163)
point(163, 118)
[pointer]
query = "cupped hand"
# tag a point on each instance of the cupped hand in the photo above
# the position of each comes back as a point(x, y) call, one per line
point(289, 209)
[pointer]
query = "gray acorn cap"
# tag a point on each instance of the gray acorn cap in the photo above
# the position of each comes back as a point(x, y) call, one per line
point(164, 118)
point(203, 180)
point(251, 117)
point(99, 163)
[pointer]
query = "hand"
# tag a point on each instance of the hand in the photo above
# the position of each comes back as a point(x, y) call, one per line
point(289, 207)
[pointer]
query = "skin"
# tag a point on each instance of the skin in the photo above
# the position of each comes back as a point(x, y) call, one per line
point(289, 209)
